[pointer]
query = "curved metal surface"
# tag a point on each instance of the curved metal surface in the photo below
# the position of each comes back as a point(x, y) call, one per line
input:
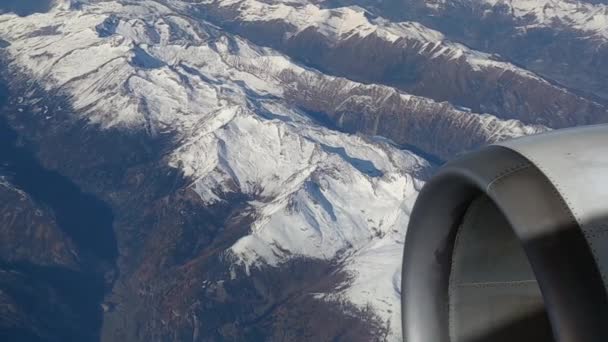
point(576, 162)
point(519, 177)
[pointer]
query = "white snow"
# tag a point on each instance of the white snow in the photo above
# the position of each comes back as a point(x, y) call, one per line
point(339, 24)
point(578, 15)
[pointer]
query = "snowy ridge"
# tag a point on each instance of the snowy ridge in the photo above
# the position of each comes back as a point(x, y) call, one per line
point(315, 192)
point(558, 14)
point(577, 15)
point(345, 95)
point(340, 24)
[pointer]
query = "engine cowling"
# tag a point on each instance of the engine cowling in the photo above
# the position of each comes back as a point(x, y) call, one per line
point(510, 243)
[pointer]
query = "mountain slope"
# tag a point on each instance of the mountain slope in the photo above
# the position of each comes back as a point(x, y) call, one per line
point(235, 136)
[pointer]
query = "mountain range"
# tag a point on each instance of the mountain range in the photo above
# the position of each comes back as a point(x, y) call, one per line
point(230, 170)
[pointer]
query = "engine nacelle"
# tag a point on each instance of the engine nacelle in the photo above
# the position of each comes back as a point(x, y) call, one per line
point(510, 243)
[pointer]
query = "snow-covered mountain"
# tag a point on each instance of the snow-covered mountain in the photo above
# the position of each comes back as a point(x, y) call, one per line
point(351, 42)
point(564, 40)
point(246, 176)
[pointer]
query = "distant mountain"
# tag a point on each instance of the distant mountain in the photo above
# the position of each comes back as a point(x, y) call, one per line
point(235, 170)
point(564, 40)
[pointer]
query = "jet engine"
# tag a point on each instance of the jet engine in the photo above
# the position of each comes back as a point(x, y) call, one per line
point(510, 243)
